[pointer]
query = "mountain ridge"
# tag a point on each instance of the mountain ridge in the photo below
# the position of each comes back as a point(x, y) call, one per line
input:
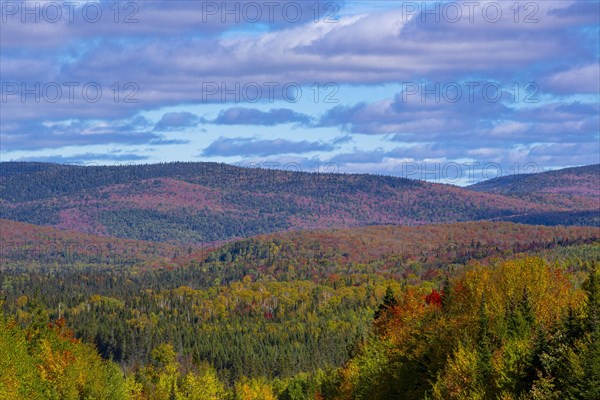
point(196, 203)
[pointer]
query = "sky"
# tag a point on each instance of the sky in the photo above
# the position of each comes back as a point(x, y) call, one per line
point(450, 91)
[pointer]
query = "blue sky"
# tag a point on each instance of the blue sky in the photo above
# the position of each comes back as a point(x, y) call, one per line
point(419, 89)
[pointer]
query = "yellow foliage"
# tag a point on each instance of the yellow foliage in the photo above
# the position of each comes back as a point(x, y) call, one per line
point(254, 389)
point(458, 382)
point(549, 290)
point(202, 386)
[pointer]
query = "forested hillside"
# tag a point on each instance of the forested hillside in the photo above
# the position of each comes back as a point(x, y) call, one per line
point(46, 245)
point(195, 203)
point(564, 186)
point(518, 327)
point(280, 314)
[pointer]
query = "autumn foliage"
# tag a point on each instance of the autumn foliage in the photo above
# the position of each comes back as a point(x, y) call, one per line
point(516, 329)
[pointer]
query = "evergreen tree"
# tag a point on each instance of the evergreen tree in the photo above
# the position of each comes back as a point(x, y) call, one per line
point(389, 301)
point(484, 348)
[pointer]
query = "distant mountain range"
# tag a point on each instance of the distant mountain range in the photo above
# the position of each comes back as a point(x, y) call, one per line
point(203, 203)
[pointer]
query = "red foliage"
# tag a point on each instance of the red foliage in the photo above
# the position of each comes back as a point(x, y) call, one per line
point(434, 297)
point(60, 326)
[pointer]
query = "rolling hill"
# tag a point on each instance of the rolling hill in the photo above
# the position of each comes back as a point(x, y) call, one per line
point(579, 186)
point(23, 242)
point(199, 203)
point(315, 254)
point(577, 189)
